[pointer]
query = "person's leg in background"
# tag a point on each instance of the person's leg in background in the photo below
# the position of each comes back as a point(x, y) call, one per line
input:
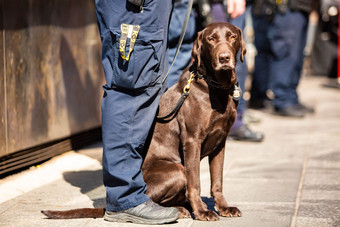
point(239, 131)
point(131, 95)
point(175, 30)
point(300, 47)
point(287, 37)
point(260, 76)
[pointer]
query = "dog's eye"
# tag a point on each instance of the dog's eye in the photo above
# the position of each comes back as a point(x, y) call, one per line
point(233, 37)
point(211, 39)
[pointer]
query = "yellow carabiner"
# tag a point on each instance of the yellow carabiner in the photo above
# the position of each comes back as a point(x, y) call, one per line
point(187, 87)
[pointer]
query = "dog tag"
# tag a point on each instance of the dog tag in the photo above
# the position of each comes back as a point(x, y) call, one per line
point(237, 93)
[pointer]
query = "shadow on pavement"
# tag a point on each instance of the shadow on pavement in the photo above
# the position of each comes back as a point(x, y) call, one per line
point(90, 184)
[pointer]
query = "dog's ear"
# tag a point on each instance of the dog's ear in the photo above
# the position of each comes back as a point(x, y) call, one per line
point(196, 50)
point(242, 45)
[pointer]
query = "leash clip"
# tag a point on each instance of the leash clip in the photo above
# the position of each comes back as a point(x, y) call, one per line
point(187, 87)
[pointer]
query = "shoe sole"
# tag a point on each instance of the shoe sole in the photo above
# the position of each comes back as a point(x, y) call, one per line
point(244, 140)
point(289, 115)
point(124, 218)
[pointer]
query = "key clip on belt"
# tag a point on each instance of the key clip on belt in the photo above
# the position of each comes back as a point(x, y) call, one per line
point(128, 31)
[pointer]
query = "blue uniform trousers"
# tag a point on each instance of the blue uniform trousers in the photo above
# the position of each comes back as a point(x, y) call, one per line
point(279, 61)
point(131, 94)
point(175, 30)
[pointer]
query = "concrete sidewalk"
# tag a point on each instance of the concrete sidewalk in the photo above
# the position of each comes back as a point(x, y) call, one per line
point(290, 179)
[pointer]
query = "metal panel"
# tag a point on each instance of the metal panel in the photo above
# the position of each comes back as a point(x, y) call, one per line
point(3, 136)
point(31, 156)
point(53, 68)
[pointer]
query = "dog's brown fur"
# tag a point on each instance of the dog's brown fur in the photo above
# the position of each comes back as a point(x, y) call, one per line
point(171, 168)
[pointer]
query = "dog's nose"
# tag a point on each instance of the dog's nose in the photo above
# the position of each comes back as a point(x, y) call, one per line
point(224, 58)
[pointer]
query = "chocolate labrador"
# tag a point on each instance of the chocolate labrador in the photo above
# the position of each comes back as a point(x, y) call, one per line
point(198, 128)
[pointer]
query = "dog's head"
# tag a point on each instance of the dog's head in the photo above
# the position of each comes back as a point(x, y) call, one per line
point(215, 50)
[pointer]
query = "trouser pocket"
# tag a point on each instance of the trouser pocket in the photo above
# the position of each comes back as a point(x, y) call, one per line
point(143, 67)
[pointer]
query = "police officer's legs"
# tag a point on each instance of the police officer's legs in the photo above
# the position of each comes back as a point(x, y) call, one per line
point(287, 37)
point(175, 30)
point(261, 72)
point(129, 105)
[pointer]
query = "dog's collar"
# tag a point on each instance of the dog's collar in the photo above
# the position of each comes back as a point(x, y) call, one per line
point(235, 91)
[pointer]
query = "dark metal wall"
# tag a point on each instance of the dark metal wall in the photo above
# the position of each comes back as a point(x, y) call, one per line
point(50, 71)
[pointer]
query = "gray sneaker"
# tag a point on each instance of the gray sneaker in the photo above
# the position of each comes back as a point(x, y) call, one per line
point(146, 213)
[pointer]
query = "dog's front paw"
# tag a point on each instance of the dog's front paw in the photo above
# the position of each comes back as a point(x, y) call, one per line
point(206, 215)
point(230, 212)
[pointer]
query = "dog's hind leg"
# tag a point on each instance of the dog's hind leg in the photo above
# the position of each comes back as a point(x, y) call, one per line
point(166, 183)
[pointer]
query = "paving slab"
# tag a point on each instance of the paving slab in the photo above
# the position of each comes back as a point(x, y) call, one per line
point(290, 179)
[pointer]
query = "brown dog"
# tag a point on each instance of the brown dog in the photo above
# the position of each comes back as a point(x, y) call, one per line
point(171, 168)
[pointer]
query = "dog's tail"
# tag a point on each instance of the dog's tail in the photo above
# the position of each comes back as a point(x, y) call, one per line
point(76, 213)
